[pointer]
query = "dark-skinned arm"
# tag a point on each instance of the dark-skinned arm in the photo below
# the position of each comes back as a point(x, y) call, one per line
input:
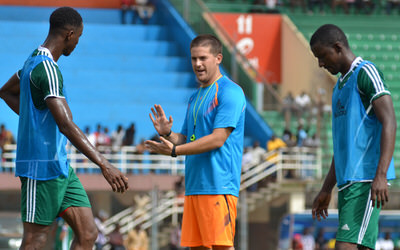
point(63, 117)
point(10, 93)
point(321, 202)
point(384, 111)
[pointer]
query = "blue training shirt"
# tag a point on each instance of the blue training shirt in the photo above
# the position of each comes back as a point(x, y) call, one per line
point(356, 135)
point(220, 105)
point(41, 152)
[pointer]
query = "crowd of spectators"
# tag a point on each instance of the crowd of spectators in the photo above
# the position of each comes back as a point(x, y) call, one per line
point(6, 138)
point(320, 241)
point(141, 11)
point(326, 6)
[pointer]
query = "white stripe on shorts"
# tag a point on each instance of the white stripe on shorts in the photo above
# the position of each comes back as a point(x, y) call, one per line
point(367, 216)
point(30, 200)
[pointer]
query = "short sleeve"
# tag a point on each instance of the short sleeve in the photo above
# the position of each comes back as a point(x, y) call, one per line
point(231, 104)
point(370, 83)
point(47, 78)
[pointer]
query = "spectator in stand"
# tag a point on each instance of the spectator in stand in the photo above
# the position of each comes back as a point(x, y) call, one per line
point(115, 238)
point(287, 137)
point(95, 135)
point(104, 138)
point(90, 136)
point(307, 240)
point(392, 5)
point(273, 144)
point(145, 10)
point(127, 5)
point(101, 237)
point(117, 137)
point(301, 135)
point(312, 141)
point(175, 238)
point(312, 3)
point(320, 241)
point(341, 3)
point(288, 108)
point(257, 153)
point(6, 138)
point(296, 242)
point(303, 103)
point(129, 138)
point(137, 239)
point(385, 243)
point(180, 187)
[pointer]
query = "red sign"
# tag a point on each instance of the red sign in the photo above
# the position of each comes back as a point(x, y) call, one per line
point(258, 37)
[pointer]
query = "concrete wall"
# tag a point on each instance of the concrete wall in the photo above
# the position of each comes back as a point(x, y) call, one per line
point(300, 70)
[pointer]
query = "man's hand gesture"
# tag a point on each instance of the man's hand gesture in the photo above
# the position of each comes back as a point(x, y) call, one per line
point(160, 121)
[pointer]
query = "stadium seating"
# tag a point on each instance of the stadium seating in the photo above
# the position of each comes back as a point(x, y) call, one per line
point(116, 73)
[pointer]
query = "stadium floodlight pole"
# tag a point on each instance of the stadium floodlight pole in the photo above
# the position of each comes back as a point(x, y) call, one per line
point(154, 224)
point(244, 232)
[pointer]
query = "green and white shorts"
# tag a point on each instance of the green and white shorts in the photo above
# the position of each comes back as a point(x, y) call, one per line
point(358, 220)
point(43, 201)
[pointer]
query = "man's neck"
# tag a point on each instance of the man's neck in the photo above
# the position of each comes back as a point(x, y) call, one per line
point(214, 79)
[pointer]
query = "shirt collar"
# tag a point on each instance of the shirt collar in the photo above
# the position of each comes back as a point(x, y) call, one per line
point(46, 51)
point(354, 64)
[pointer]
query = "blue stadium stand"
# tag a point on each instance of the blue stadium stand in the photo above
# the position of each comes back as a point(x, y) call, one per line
point(117, 72)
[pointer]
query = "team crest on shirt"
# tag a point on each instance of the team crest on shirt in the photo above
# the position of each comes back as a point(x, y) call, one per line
point(340, 109)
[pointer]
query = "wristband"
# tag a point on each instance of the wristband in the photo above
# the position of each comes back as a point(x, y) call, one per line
point(173, 153)
point(170, 132)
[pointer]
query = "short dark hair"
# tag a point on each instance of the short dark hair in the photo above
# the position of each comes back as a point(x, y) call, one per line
point(207, 40)
point(63, 17)
point(328, 35)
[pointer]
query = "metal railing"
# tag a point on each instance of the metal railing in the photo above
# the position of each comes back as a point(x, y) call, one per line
point(304, 161)
point(126, 158)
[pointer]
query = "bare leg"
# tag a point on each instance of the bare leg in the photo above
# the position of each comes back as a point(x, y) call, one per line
point(223, 248)
point(80, 219)
point(340, 245)
point(213, 248)
point(35, 236)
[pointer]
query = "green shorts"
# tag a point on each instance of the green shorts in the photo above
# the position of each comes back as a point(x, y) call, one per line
point(358, 220)
point(43, 201)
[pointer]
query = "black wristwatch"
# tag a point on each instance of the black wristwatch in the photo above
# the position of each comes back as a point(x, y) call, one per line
point(173, 154)
point(167, 135)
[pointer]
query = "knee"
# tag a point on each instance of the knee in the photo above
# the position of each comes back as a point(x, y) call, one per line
point(34, 240)
point(88, 236)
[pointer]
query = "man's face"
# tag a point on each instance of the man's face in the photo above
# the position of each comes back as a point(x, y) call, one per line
point(72, 40)
point(328, 57)
point(205, 64)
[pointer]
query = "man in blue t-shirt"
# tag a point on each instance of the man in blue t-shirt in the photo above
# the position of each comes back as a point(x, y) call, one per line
point(212, 140)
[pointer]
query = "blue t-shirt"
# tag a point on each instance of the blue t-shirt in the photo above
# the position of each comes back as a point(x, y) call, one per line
point(220, 105)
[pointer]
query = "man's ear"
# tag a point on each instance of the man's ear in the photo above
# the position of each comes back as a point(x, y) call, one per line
point(69, 34)
point(338, 47)
point(219, 58)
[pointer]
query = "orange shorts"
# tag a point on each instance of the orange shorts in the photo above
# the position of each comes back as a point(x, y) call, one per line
point(208, 220)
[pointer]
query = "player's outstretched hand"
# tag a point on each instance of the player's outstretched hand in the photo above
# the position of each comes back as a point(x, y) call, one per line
point(320, 205)
point(117, 181)
point(160, 121)
point(164, 147)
